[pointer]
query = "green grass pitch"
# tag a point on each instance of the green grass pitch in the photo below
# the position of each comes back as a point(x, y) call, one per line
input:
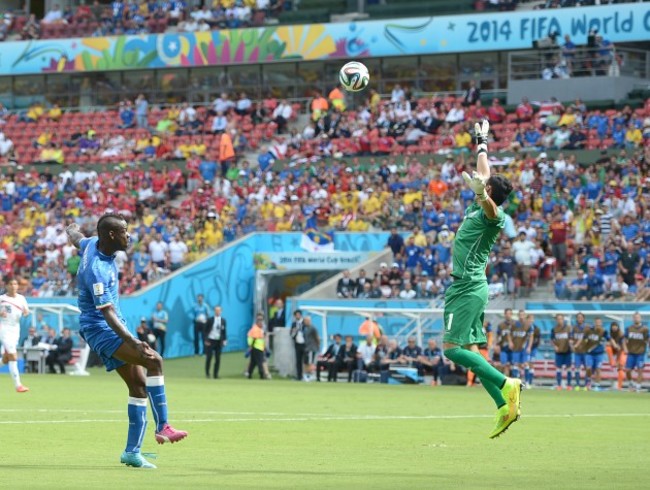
point(68, 432)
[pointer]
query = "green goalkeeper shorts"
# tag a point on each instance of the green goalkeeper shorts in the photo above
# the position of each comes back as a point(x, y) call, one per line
point(465, 303)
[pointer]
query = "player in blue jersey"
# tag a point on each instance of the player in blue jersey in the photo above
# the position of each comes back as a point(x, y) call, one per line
point(103, 327)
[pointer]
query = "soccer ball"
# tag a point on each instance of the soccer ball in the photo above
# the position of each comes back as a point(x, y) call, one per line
point(354, 76)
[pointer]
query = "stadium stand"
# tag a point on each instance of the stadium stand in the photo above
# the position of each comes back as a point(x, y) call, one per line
point(383, 173)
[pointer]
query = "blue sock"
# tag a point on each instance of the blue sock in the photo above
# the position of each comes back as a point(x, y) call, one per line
point(528, 376)
point(587, 381)
point(514, 373)
point(577, 378)
point(137, 410)
point(558, 377)
point(568, 377)
point(158, 399)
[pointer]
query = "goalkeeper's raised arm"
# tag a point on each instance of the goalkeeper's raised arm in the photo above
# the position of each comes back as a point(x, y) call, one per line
point(491, 191)
point(481, 132)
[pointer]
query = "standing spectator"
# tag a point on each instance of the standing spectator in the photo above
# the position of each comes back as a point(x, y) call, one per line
point(177, 252)
point(142, 112)
point(256, 345)
point(215, 339)
point(158, 249)
point(559, 232)
point(298, 335)
point(277, 320)
point(346, 286)
point(60, 352)
point(200, 312)
point(522, 249)
point(629, 264)
point(281, 115)
point(159, 320)
point(312, 346)
point(472, 94)
point(395, 242)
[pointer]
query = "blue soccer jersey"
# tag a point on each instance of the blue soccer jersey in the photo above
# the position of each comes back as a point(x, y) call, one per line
point(98, 284)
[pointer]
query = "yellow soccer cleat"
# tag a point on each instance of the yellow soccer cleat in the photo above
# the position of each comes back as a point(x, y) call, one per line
point(511, 392)
point(504, 420)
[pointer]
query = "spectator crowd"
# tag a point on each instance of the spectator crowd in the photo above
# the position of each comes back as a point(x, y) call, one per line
point(563, 213)
point(131, 17)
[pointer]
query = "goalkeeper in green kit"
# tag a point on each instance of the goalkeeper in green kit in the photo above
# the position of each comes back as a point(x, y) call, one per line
point(466, 298)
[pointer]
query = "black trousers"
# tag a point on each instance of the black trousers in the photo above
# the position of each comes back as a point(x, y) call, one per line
point(199, 329)
point(213, 348)
point(160, 337)
point(257, 359)
point(338, 365)
point(55, 359)
point(300, 354)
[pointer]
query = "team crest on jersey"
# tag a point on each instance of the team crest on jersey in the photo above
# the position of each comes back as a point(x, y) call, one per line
point(98, 288)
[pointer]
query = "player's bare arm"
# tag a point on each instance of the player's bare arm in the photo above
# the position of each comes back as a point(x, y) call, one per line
point(74, 234)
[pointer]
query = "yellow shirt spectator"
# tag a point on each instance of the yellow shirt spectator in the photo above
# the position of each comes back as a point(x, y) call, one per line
point(266, 209)
point(199, 149)
point(35, 112)
point(463, 139)
point(567, 120)
point(284, 225)
point(54, 113)
point(371, 205)
point(420, 239)
point(185, 149)
point(411, 196)
point(44, 139)
point(357, 224)
point(349, 202)
point(281, 210)
point(634, 136)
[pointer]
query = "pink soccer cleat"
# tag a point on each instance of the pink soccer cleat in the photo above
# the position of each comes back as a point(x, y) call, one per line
point(22, 389)
point(169, 434)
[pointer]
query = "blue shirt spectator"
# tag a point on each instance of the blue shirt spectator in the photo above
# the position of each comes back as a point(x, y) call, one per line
point(595, 285)
point(208, 170)
point(412, 253)
point(395, 242)
point(561, 288)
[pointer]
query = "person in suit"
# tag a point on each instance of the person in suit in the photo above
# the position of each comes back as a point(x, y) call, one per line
point(328, 359)
point(277, 320)
point(215, 339)
point(472, 94)
point(298, 336)
point(346, 287)
point(61, 352)
point(347, 358)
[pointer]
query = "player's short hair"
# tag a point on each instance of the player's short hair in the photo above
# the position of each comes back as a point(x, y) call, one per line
point(501, 188)
point(109, 222)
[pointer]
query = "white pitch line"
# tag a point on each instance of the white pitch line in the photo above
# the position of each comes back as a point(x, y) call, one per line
point(330, 418)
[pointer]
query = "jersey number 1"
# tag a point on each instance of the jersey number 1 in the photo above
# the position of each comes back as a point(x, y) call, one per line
point(449, 320)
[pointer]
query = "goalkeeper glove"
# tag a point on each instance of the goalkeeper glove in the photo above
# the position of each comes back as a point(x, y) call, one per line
point(481, 132)
point(477, 183)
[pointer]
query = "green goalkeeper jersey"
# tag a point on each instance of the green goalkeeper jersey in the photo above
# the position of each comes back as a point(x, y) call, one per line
point(474, 241)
